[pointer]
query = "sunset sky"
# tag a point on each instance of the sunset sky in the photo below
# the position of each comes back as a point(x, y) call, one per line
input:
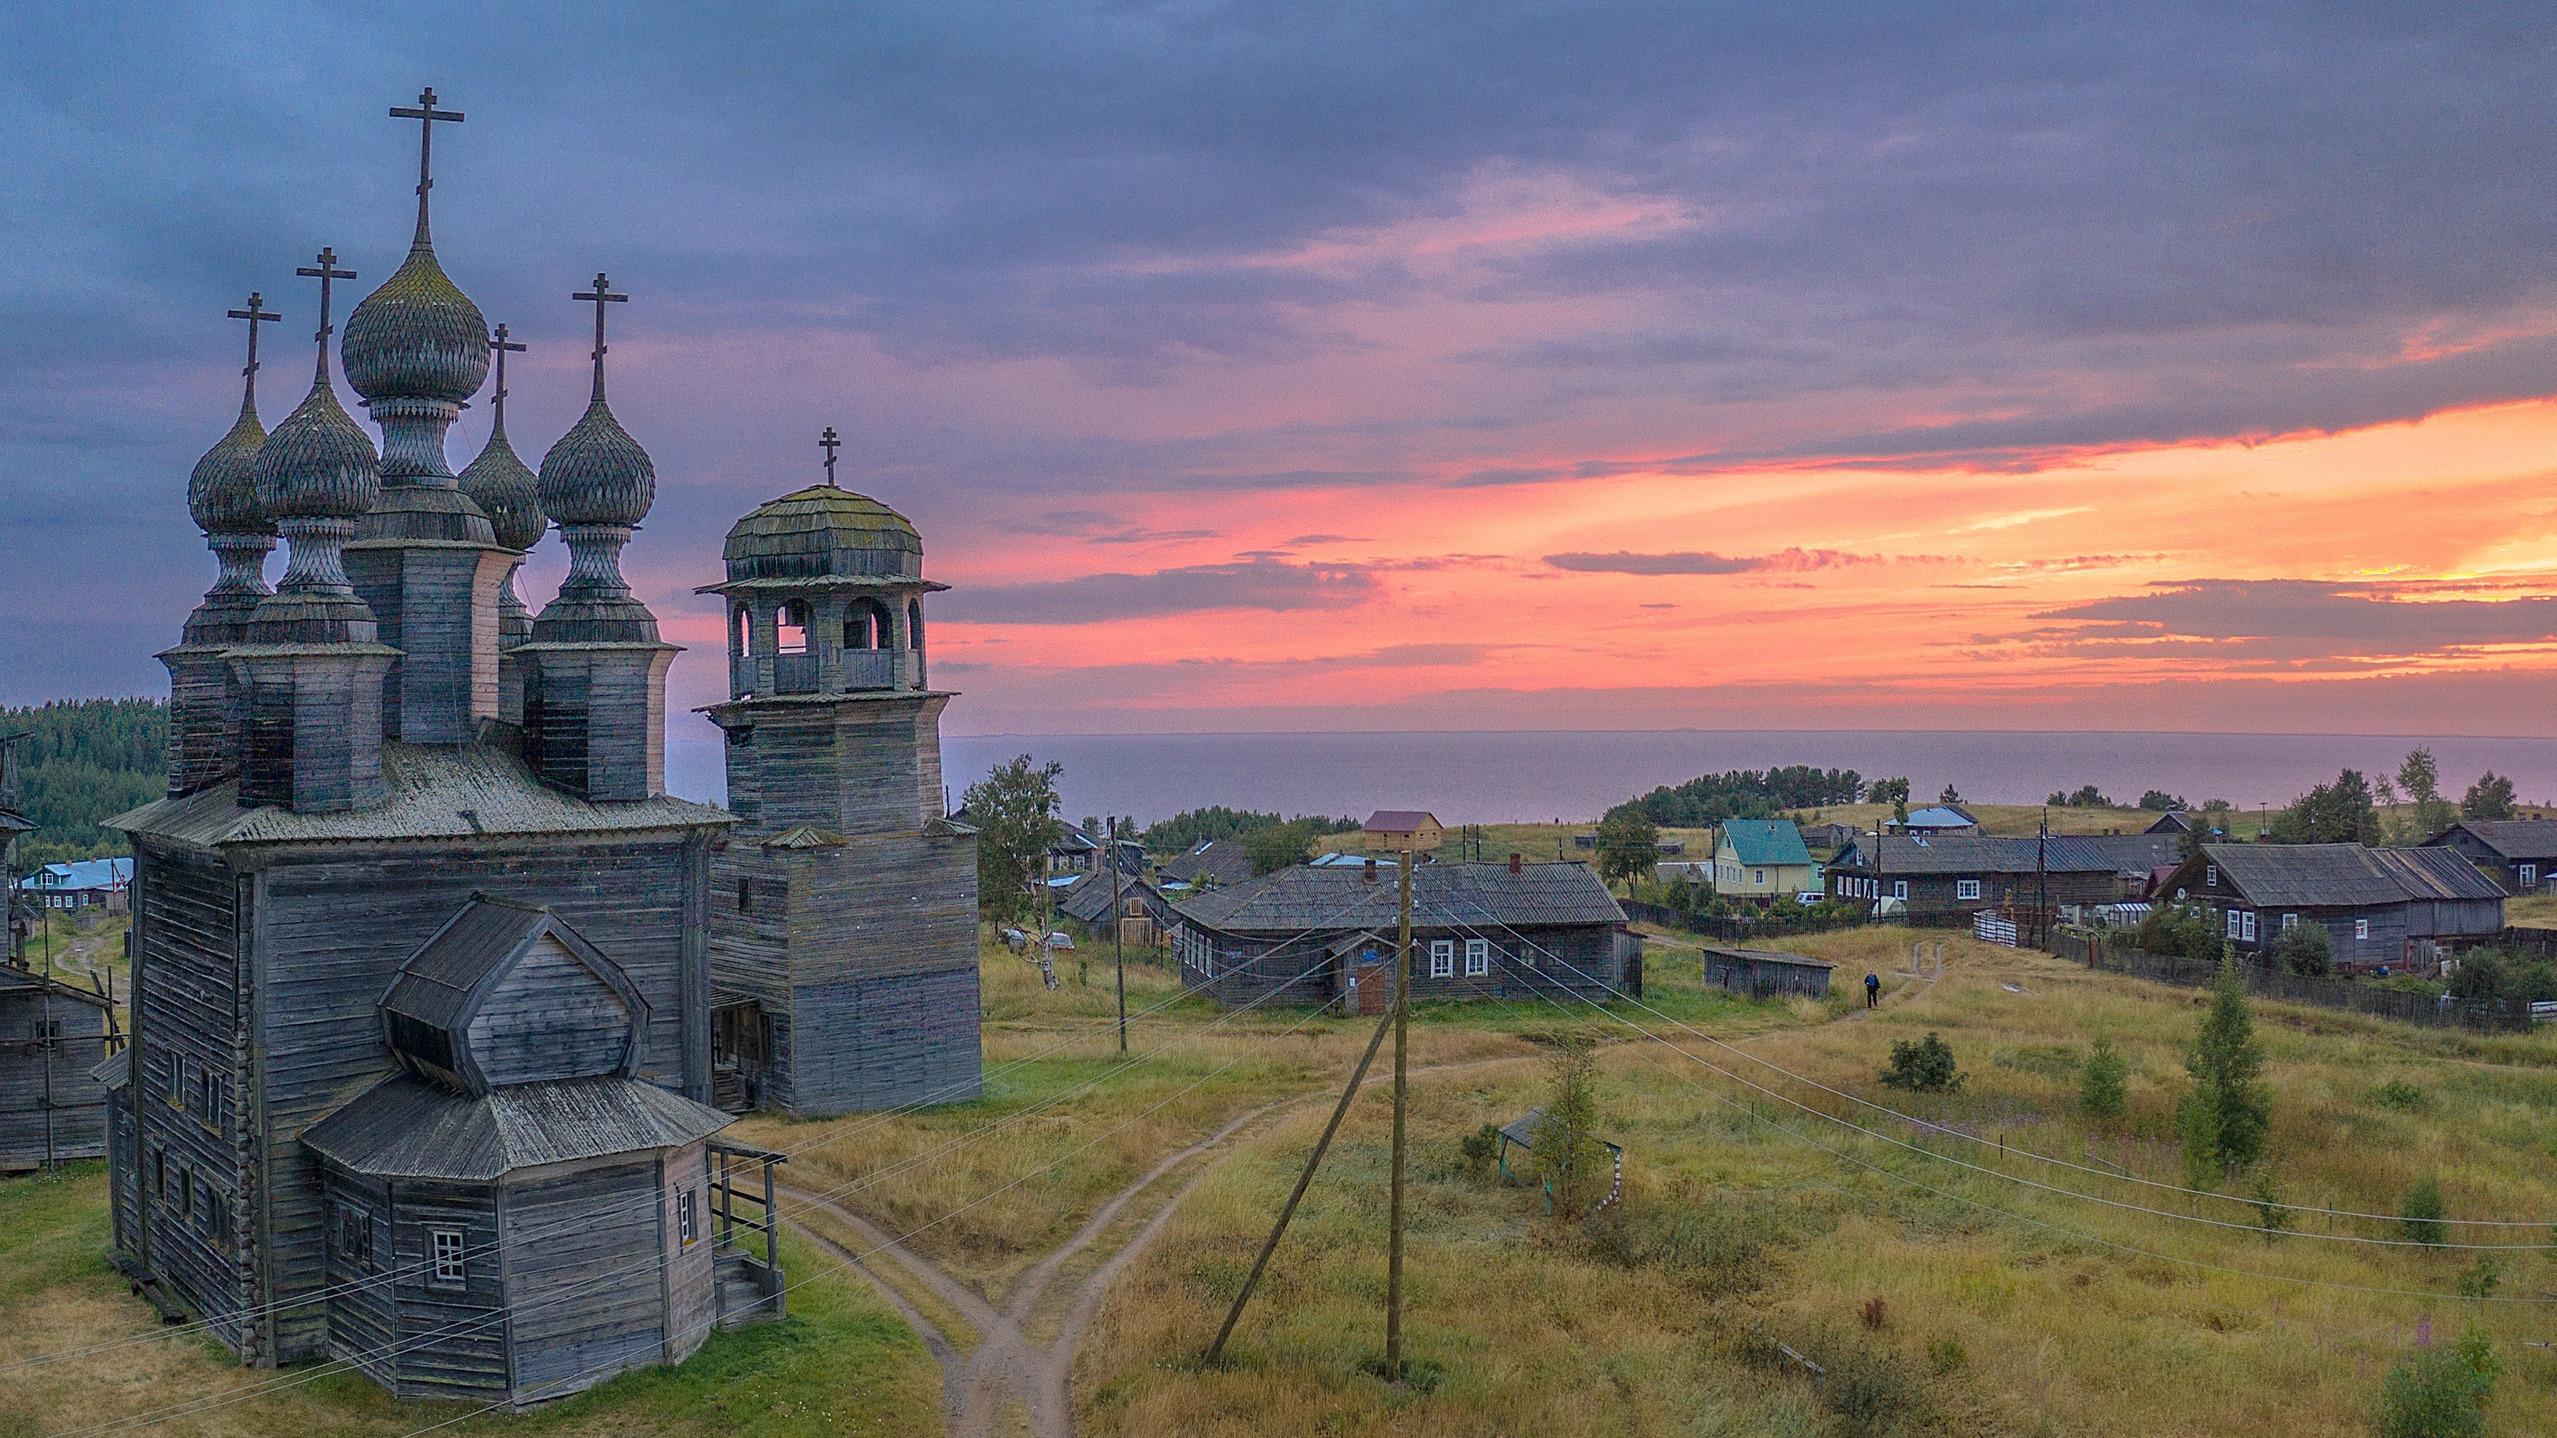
point(1470, 366)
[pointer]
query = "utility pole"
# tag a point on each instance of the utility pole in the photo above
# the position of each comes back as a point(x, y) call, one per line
point(2042, 877)
point(1118, 933)
point(1402, 1044)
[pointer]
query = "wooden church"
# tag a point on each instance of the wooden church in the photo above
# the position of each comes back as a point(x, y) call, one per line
point(421, 1059)
point(843, 951)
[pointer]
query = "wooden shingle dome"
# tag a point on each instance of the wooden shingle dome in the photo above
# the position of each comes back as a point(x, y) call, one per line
point(823, 531)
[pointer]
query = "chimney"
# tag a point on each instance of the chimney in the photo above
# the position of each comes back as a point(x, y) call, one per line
point(1367, 871)
point(1513, 863)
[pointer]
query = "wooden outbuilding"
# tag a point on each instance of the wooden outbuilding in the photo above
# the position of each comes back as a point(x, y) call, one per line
point(53, 1037)
point(1766, 973)
point(1403, 831)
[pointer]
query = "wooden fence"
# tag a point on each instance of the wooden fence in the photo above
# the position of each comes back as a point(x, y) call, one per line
point(1777, 923)
point(2115, 953)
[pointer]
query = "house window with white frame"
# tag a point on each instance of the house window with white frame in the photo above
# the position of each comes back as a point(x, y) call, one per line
point(1442, 958)
point(1478, 958)
point(2210, 876)
point(1899, 888)
point(2290, 922)
point(687, 1219)
point(1966, 888)
point(2528, 875)
point(2361, 928)
point(444, 1247)
point(2232, 923)
point(2249, 935)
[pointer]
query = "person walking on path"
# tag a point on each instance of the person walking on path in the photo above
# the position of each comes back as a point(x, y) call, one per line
point(1873, 991)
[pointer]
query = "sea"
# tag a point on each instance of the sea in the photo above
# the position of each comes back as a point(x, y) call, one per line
point(1523, 777)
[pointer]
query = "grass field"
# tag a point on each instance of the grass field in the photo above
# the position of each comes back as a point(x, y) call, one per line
point(1738, 1233)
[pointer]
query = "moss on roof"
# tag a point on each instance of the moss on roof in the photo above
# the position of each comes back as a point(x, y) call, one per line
point(822, 530)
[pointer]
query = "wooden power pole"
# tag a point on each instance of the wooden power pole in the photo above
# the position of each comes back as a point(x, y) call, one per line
point(1402, 1045)
point(1118, 933)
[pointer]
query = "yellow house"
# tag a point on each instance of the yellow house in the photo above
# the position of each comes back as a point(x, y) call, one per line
point(1404, 831)
point(1761, 859)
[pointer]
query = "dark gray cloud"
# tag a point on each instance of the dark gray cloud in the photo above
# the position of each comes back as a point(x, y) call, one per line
point(1254, 583)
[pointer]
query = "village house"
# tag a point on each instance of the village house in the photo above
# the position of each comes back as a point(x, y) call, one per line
point(1935, 819)
point(80, 884)
point(2520, 854)
point(1208, 864)
point(2381, 907)
point(1403, 831)
point(1964, 873)
point(1309, 935)
point(1761, 859)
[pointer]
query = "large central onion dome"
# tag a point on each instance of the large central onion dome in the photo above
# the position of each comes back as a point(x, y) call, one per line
point(504, 488)
point(317, 464)
point(417, 337)
point(596, 473)
point(222, 491)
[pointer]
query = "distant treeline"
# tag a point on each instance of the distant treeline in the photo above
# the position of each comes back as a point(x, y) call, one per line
point(83, 761)
point(1749, 794)
point(1186, 830)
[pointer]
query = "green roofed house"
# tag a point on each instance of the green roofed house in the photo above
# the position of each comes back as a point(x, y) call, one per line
point(1762, 859)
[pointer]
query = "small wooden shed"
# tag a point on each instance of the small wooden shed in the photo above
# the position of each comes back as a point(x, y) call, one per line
point(1766, 973)
point(1520, 1133)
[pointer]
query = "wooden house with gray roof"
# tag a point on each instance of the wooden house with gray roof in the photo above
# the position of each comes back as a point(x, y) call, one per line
point(2519, 854)
point(843, 931)
point(2380, 907)
point(1315, 934)
point(421, 959)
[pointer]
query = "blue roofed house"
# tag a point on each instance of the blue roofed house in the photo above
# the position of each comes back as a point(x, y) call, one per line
point(81, 884)
point(1936, 819)
point(1761, 859)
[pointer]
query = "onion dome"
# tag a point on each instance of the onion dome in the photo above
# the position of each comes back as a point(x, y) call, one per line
point(317, 464)
point(504, 488)
point(417, 337)
point(822, 531)
point(222, 492)
point(596, 473)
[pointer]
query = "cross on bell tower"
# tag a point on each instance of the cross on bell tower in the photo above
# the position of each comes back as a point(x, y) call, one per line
point(326, 272)
point(256, 314)
point(425, 114)
point(828, 442)
point(502, 346)
point(602, 295)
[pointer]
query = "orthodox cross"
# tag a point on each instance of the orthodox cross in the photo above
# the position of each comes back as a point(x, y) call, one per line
point(501, 344)
point(827, 442)
point(256, 314)
point(326, 272)
point(425, 114)
point(602, 295)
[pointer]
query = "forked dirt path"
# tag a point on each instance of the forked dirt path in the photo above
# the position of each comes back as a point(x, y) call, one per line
point(1009, 1380)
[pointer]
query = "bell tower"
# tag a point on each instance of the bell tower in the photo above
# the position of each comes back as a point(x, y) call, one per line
point(843, 933)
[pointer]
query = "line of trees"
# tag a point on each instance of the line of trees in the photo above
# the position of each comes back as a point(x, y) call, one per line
point(1750, 794)
point(84, 761)
point(1191, 827)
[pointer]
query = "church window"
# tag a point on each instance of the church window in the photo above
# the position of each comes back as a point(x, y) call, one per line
point(791, 624)
point(745, 895)
point(445, 1248)
point(687, 1221)
point(177, 1081)
point(742, 637)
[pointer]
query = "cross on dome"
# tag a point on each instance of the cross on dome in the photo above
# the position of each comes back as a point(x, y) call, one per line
point(256, 314)
point(326, 272)
point(829, 443)
point(425, 114)
point(502, 346)
point(602, 295)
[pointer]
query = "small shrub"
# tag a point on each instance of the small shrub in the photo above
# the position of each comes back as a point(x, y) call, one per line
point(1947, 1356)
point(1479, 1151)
point(2305, 949)
point(2399, 1094)
point(1870, 1389)
point(2439, 1392)
point(2104, 1082)
point(2270, 1216)
point(2482, 1278)
point(2419, 1219)
point(1876, 1313)
point(1926, 1066)
point(1720, 1245)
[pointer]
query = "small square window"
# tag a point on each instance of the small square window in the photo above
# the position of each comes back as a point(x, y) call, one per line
point(1899, 888)
point(1966, 888)
point(1442, 958)
point(445, 1248)
point(2290, 922)
point(1478, 957)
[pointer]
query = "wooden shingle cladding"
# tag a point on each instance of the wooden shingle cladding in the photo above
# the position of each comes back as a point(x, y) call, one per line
point(53, 1037)
point(2519, 854)
point(845, 906)
point(1479, 931)
point(2375, 904)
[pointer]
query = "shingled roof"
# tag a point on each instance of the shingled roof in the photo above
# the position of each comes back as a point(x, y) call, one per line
point(1220, 861)
point(435, 792)
point(1443, 896)
point(2345, 876)
point(405, 1127)
point(2512, 838)
point(1981, 854)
